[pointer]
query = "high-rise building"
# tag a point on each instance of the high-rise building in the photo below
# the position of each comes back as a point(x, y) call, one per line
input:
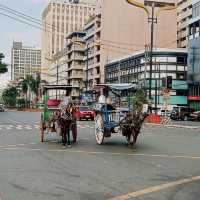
point(24, 61)
point(69, 63)
point(193, 57)
point(60, 18)
point(120, 29)
point(184, 14)
point(92, 73)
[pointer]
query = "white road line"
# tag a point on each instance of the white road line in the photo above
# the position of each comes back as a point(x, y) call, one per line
point(19, 127)
point(37, 126)
point(28, 127)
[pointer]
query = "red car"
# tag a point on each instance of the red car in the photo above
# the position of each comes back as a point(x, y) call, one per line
point(85, 112)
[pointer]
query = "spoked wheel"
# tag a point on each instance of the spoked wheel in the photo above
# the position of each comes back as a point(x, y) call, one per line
point(99, 129)
point(42, 128)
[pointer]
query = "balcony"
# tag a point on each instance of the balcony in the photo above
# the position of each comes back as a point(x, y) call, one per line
point(76, 76)
point(79, 57)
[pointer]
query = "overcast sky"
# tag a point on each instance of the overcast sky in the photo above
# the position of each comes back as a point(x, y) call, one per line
point(12, 30)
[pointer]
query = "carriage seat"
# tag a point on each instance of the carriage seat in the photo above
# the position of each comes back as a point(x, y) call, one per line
point(52, 103)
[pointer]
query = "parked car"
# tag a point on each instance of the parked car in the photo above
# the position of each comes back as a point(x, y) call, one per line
point(85, 112)
point(181, 113)
point(2, 109)
point(195, 116)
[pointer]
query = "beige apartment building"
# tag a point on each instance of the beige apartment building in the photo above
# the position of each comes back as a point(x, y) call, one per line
point(122, 29)
point(184, 14)
point(93, 37)
point(60, 18)
point(69, 63)
point(24, 61)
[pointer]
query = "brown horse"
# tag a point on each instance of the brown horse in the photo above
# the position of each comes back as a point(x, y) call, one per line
point(63, 120)
point(131, 126)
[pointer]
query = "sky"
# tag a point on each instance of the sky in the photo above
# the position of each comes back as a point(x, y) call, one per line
point(12, 30)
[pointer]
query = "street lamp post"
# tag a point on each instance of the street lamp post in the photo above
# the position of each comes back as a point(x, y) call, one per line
point(152, 18)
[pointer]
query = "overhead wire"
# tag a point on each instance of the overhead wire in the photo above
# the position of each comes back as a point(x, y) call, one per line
point(35, 20)
point(20, 20)
point(23, 18)
point(39, 26)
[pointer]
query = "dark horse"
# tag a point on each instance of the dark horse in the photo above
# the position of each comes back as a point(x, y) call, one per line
point(131, 126)
point(63, 121)
point(66, 121)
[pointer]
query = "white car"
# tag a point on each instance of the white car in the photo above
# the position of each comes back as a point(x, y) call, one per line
point(2, 109)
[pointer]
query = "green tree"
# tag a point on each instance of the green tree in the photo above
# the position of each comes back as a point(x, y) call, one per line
point(3, 66)
point(24, 88)
point(139, 99)
point(34, 85)
point(9, 96)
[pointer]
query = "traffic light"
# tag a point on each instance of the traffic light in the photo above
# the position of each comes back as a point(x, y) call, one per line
point(169, 82)
point(164, 82)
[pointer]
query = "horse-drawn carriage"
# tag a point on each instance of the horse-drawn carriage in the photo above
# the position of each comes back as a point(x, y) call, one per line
point(51, 118)
point(117, 119)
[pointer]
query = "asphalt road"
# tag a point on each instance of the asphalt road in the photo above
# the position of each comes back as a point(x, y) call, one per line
point(168, 158)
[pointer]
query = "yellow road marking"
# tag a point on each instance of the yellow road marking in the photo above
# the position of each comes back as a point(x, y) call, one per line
point(157, 188)
point(101, 152)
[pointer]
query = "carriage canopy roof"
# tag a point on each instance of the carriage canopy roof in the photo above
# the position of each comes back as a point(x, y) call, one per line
point(57, 87)
point(119, 87)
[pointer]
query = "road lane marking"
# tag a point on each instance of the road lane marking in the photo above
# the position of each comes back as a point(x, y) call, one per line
point(157, 188)
point(16, 145)
point(13, 147)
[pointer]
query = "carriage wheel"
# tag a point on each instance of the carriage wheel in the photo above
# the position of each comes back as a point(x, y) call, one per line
point(99, 129)
point(42, 128)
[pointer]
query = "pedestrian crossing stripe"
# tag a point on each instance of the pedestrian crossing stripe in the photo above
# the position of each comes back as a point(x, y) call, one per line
point(35, 126)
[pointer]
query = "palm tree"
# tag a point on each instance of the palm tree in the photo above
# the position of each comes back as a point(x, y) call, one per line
point(24, 87)
point(34, 85)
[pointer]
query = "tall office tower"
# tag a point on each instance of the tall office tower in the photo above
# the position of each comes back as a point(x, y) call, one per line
point(184, 14)
point(119, 29)
point(24, 61)
point(60, 18)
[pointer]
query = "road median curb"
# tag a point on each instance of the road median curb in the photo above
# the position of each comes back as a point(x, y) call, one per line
point(174, 126)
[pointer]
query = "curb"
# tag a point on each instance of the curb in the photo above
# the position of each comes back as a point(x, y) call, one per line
point(175, 126)
point(31, 110)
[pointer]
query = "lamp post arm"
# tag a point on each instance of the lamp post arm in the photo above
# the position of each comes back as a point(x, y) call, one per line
point(140, 5)
point(165, 8)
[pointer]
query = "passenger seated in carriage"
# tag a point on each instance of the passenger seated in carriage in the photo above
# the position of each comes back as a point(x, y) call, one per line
point(104, 101)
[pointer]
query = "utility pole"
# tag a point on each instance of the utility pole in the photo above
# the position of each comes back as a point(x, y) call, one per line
point(87, 66)
point(152, 18)
point(159, 85)
point(57, 74)
point(119, 71)
point(146, 54)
